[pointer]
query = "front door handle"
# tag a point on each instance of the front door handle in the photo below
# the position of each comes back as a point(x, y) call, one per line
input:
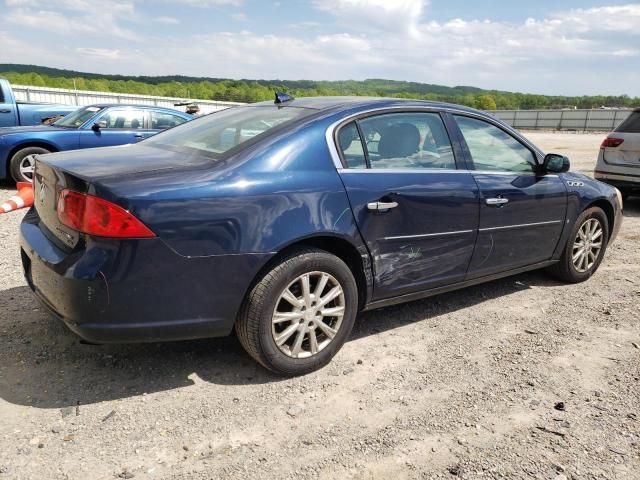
point(139, 135)
point(5, 111)
point(496, 202)
point(381, 205)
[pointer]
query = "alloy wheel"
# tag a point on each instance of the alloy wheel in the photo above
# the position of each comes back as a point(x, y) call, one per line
point(308, 314)
point(27, 166)
point(587, 245)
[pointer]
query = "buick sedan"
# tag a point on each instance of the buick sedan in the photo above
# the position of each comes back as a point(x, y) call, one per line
point(284, 220)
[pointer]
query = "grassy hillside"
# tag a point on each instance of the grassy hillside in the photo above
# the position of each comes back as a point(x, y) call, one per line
point(256, 90)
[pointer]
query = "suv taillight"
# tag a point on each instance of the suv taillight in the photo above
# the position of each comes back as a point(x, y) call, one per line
point(95, 216)
point(612, 142)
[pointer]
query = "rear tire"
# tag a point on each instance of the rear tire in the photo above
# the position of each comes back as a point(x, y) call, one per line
point(298, 316)
point(585, 247)
point(22, 163)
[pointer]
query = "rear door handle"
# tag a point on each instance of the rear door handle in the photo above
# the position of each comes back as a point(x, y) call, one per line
point(381, 205)
point(5, 111)
point(139, 135)
point(497, 202)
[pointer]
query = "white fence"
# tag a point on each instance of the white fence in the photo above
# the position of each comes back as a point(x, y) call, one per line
point(579, 120)
point(83, 97)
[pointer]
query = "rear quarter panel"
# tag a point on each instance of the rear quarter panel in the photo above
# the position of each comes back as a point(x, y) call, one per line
point(281, 191)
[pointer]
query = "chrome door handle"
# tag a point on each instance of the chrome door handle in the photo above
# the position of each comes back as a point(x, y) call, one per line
point(496, 202)
point(139, 135)
point(381, 205)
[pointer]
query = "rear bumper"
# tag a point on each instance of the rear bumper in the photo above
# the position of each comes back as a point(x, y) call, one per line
point(135, 290)
point(624, 181)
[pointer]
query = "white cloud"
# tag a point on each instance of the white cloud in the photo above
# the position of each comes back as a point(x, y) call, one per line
point(390, 15)
point(210, 3)
point(99, 52)
point(167, 20)
point(240, 17)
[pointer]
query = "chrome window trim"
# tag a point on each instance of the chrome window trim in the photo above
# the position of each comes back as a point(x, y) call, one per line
point(351, 171)
point(428, 235)
point(521, 225)
point(335, 156)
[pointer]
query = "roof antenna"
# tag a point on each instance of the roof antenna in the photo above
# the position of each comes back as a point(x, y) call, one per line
point(282, 98)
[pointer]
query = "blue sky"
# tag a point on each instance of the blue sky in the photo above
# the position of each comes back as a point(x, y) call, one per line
point(552, 47)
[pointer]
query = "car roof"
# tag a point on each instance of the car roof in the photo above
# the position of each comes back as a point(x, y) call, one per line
point(325, 103)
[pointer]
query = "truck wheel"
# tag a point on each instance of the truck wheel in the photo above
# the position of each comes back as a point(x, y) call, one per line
point(296, 318)
point(23, 161)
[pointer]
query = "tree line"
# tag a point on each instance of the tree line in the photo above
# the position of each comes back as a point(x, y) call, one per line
point(258, 90)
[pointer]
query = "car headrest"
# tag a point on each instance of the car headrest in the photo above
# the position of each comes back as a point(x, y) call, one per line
point(399, 141)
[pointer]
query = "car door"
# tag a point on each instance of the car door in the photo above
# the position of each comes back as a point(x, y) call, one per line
point(115, 126)
point(8, 113)
point(522, 213)
point(417, 213)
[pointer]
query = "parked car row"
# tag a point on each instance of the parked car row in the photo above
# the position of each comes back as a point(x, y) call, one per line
point(101, 125)
point(283, 221)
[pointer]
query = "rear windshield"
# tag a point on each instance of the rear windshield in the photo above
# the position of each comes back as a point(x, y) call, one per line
point(631, 124)
point(217, 133)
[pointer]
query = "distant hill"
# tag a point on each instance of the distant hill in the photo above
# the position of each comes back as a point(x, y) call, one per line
point(247, 90)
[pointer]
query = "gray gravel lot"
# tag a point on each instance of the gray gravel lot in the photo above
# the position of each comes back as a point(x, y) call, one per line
point(465, 384)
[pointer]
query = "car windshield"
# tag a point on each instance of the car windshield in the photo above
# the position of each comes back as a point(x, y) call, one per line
point(77, 118)
point(215, 134)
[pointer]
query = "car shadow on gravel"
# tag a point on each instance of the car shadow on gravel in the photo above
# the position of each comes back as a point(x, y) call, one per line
point(44, 365)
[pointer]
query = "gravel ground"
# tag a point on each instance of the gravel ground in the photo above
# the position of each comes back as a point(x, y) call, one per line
point(519, 378)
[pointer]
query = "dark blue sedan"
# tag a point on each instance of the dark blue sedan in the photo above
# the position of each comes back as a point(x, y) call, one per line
point(88, 127)
point(284, 220)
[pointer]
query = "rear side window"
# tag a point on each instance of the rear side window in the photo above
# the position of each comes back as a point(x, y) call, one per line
point(631, 124)
point(350, 145)
point(415, 140)
point(215, 134)
point(162, 120)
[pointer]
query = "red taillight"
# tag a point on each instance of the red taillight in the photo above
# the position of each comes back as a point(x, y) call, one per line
point(612, 142)
point(95, 216)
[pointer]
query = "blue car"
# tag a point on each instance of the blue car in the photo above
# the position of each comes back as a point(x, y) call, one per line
point(92, 126)
point(283, 221)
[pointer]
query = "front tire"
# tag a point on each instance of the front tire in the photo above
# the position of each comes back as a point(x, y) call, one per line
point(23, 161)
point(298, 316)
point(585, 247)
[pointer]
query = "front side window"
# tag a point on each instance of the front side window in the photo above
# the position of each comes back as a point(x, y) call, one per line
point(407, 140)
point(129, 119)
point(162, 120)
point(494, 149)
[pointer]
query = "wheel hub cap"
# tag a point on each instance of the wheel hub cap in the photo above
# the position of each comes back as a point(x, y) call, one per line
point(308, 314)
point(587, 245)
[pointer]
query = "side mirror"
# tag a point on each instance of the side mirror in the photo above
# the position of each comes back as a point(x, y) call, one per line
point(555, 163)
point(98, 125)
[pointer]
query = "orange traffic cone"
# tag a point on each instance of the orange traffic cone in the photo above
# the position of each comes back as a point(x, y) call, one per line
point(23, 199)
